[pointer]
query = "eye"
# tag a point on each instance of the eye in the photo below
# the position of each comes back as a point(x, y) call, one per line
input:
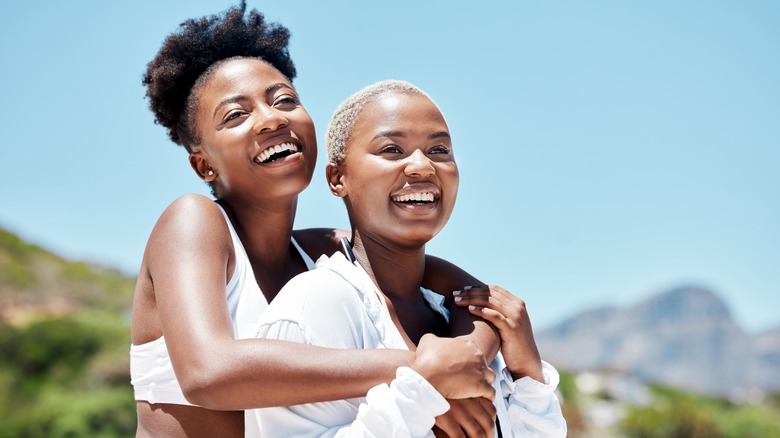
point(233, 115)
point(286, 102)
point(391, 149)
point(441, 149)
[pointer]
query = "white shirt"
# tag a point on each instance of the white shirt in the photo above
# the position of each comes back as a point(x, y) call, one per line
point(338, 306)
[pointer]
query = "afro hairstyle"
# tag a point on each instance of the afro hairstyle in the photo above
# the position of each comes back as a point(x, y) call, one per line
point(198, 47)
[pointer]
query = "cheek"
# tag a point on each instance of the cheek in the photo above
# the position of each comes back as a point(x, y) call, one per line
point(451, 177)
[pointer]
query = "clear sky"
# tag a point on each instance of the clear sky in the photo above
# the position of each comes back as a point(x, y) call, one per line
point(609, 150)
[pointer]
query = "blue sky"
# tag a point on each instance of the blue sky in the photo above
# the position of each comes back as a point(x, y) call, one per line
point(609, 150)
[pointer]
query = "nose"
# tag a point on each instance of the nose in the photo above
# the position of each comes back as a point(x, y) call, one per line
point(418, 165)
point(269, 119)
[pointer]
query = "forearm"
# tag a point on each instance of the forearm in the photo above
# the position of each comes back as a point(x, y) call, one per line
point(463, 323)
point(253, 373)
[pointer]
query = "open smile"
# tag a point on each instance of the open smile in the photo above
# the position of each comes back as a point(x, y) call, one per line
point(420, 197)
point(416, 198)
point(277, 152)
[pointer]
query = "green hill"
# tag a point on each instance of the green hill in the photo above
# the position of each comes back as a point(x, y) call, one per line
point(35, 281)
point(64, 337)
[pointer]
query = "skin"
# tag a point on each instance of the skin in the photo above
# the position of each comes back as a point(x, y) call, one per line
point(401, 145)
point(246, 106)
point(510, 316)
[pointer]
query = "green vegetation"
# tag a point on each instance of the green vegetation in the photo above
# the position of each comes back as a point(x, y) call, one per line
point(675, 413)
point(64, 337)
point(669, 413)
point(64, 366)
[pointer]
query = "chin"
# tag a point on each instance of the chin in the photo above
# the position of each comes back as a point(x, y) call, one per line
point(416, 240)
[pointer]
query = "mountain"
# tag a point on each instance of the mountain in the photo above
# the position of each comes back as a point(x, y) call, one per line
point(684, 337)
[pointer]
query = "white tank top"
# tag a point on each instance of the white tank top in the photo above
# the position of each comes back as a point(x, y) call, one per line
point(151, 372)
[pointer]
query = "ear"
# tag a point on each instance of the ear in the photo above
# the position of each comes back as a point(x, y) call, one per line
point(335, 180)
point(202, 166)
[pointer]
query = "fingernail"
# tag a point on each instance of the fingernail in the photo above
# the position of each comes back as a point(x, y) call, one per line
point(472, 307)
point(458, 299)
point(456, 292)
point(467, 287)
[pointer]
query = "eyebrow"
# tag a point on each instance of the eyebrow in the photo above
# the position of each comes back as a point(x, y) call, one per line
point(439, 134)
point(238, 98)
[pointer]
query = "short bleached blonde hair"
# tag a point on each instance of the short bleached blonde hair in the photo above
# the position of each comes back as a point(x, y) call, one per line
point(348, 112)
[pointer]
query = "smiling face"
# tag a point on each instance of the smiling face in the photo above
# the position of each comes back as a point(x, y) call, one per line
point(256, 137)
point(398, 177)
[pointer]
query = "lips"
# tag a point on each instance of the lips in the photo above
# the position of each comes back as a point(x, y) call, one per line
point(277, 152)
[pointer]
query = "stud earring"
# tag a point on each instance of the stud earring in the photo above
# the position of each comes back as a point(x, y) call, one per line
point(210, 172)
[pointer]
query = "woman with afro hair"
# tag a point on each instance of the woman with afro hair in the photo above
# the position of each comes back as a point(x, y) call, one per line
point(222, 87)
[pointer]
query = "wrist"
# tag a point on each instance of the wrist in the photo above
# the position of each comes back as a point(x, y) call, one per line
point(533, 370)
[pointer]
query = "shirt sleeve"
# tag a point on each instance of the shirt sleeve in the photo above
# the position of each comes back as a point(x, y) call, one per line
point(405, 408)
point(533, 409)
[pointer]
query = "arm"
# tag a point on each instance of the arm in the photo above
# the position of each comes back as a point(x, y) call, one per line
point(529, 383)
point(188, 258)
point(440, 276)
point(444, 277)
point(323, 308)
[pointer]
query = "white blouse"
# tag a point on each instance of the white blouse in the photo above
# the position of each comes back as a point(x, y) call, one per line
point(338, 306)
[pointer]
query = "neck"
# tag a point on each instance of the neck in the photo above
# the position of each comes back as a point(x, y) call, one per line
point(396, 271)
point(265, 232)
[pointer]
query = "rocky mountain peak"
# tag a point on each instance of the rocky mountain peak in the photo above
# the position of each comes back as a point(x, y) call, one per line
point(684, 336)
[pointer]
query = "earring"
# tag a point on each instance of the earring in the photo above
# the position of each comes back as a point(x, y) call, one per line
point(210, 172)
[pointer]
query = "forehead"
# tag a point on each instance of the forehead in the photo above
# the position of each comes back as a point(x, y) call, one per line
point(400, 112)
point(242, 76)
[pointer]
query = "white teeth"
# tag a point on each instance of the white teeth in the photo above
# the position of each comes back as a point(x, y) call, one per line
point(414, 197)
point(266, 154)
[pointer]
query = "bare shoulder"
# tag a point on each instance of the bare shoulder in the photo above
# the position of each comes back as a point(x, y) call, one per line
point(443, 276)
point(191, 213)
point(320, 241)
point(191, 204)
point(191, 222)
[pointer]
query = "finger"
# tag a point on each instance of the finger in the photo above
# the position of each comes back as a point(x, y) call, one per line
point(449, 426)
point(488, 392)
point(494, 317)
point(500, 291)
point(497, 305)
point(472, 416)
point(471, 427)
point(480, 300)
point(487, 384)
point(485, 415)
point(493, 300)
point(490, 408)
point(479, 295)
point(472, 290)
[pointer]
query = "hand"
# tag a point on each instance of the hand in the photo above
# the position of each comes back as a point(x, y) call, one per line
point(508, 314)
point(454, 366)
point(467, 417)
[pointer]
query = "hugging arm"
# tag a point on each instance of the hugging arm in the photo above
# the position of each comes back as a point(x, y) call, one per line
point(320, 308)
point(187, 261)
